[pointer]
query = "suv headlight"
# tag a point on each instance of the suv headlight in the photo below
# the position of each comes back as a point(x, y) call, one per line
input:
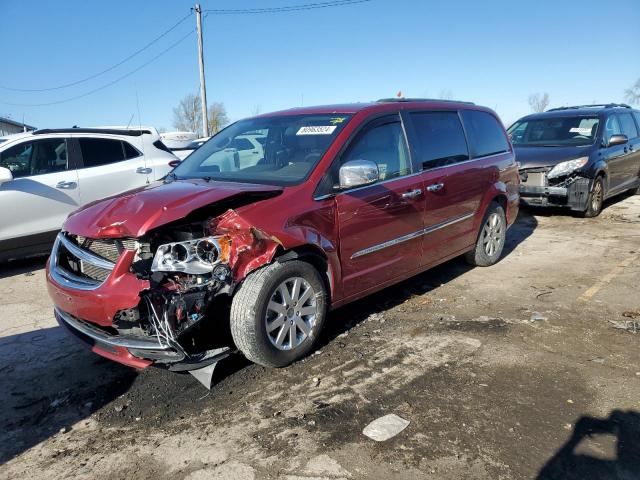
point(566, 168)
point(196, 256)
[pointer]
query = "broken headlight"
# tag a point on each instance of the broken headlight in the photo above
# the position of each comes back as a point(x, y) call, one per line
point(197, 256)
point(565, 168)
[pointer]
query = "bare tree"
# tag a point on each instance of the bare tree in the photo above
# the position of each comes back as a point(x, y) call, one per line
point(445, 94)
point(632, 94)
point(256, 110)
point(187, 115)
point(217, 117)
point(539, 102)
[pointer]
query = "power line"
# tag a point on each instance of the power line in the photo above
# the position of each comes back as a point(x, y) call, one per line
point(173, 45)
point(290, 8)
point(107, 70)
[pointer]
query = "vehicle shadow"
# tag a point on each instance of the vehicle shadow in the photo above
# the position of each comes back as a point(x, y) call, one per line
point(344, 318)
point(49, 383)
point(22, 267)
point(569, 463)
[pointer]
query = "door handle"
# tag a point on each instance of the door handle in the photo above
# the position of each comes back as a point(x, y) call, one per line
point(412, 194)
point(66, 185)
point(143, 170)
point(436, 187)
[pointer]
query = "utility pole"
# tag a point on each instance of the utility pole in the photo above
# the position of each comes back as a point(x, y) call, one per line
point(203, 87)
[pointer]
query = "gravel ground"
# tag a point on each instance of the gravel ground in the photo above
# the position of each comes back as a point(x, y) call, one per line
point(529, 368)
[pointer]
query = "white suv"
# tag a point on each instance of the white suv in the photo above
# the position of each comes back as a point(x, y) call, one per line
point(47, 174)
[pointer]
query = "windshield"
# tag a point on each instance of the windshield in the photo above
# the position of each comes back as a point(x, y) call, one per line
point(554, 131)
point(280, 150)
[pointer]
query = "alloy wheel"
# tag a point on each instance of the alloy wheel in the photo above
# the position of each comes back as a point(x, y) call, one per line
point(492, 234)
point(291, 313)
point(596, 196)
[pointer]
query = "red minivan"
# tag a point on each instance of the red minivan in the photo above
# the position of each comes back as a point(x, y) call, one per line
point(277, 219)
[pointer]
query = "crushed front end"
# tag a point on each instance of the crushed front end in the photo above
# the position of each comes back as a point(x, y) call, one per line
point(159, 299)
point(540, 187)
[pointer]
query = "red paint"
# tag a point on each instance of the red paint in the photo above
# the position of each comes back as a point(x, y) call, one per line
point(334, 227)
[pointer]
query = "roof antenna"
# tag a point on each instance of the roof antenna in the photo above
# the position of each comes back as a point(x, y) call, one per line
point(131, 119)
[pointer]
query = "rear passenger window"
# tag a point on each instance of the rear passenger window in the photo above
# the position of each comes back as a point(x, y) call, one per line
point(100, 151)
point(441, 139)
point(627, 125)
point(486, 135)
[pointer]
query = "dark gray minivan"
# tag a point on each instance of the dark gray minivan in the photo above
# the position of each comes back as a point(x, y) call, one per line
point(577, 157)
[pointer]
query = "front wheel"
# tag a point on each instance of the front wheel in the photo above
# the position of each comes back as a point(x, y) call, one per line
point(595, 200)
point(278, 313)
point(491, 239)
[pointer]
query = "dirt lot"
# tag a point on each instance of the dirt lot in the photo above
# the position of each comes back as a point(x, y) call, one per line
point(503, 373)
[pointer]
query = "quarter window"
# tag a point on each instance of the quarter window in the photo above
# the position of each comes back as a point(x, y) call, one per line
point(441, 139)
point(36, 158)
point(486, 136)
point(627, 125)
point(130, 151)
point(385, 146)
point(100, 151)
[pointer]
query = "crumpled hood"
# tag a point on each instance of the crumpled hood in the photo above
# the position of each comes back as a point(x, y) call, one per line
point(534, 157)
point(132, 214)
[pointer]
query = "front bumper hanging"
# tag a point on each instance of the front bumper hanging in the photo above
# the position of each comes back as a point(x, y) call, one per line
point(536, 189)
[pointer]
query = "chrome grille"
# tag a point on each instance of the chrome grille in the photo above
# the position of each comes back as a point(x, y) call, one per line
point(76, 266)
point(109, 249)
point(93, 271)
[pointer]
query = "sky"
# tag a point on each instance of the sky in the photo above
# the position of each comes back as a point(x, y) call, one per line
point(493, 53)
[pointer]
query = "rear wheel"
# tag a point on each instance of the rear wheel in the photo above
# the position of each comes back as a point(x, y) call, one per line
point(596, 199)
point(491, 239)
point(278, 312)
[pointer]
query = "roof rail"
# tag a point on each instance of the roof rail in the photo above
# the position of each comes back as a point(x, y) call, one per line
point(402, 99)
point(597, 105)
point(108, 131)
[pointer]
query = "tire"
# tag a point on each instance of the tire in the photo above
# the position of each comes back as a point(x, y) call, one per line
point(261, 301)
point(595, 200)
point(491, 238)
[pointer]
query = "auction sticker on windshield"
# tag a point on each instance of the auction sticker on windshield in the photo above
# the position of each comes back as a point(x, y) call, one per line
point(317, 130)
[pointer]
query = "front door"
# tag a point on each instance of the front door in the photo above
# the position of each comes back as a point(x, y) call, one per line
point(381, 224)
point(631, 158)
point(43, 192)
point(615, 156)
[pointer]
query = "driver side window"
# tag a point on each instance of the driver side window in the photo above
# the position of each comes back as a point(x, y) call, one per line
point(35, 158)
point(611, 127)
point(384, 145)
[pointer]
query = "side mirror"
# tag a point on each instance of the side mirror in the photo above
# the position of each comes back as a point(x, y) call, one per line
point(5, 175)
point(617, 140)
point(356, 173)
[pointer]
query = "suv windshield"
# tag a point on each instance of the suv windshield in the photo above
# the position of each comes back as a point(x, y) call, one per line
point(554, 131)
point(280, 150)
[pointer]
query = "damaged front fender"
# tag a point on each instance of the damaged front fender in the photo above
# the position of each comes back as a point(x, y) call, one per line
point(249, 247)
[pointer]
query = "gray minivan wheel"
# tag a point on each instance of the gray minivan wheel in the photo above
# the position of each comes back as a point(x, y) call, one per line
point(491, 239)
point(595, 200)
point(278, 313)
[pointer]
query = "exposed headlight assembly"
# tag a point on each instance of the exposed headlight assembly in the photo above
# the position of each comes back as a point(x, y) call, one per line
point(565, 168)
point(196, 256)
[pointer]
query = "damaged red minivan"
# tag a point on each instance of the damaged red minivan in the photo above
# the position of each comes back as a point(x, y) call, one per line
point(276, 220)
